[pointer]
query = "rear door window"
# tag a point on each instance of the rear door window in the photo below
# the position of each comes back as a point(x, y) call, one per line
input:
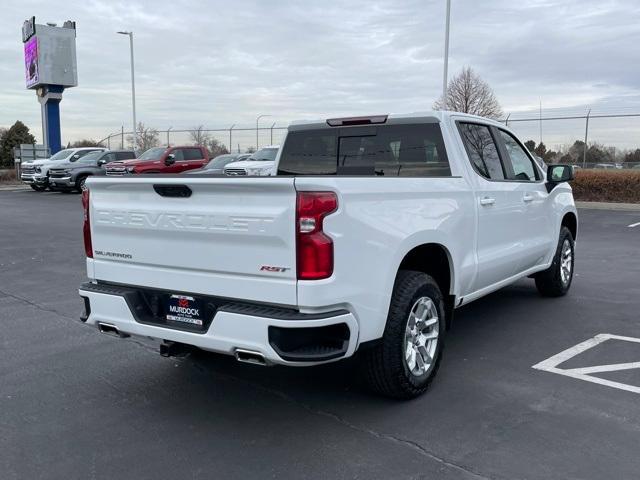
point(482, 150)
point(124, 155)
point(391, 150)
point(192, 153)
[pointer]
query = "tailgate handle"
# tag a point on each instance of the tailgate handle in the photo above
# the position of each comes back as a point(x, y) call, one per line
point(177, 191)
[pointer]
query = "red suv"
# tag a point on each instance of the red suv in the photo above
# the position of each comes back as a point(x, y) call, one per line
point(162, 160)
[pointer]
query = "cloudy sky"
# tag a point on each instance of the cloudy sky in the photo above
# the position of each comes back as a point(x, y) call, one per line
point(222, 62)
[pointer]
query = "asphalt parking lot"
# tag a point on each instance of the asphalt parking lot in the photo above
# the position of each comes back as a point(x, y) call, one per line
point(77, 404)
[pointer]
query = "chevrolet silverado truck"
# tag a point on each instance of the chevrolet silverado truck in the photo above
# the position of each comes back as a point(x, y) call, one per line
point(36, 173)
point(69, 176)
point(162, 160)
point(374, 230)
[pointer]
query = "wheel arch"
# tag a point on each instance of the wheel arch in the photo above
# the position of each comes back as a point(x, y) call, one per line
point(435, 260)
point(570, 220)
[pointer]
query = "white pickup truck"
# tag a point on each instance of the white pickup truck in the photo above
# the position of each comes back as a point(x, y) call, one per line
point(372, 232)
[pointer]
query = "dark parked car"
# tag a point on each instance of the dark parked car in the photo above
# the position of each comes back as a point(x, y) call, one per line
point(72, 175)
point(216, 166)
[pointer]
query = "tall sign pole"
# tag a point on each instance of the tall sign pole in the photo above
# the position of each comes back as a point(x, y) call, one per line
point(133, 95)
point(133, 91)
point(445, 73)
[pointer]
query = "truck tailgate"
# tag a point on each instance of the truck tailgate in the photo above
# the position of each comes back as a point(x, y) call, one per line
point(232, 238)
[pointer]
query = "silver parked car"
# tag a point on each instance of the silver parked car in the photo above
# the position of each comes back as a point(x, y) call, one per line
point(216, 165)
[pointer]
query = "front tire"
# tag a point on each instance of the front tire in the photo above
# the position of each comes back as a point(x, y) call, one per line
point(38, 188)
point(555, 281)
point(407, 358)
point(80, 183)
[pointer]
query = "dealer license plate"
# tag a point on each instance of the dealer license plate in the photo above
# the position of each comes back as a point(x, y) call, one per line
point(184, 309)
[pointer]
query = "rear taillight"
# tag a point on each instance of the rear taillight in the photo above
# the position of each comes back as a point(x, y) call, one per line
point(314, 249)
point(86, 226)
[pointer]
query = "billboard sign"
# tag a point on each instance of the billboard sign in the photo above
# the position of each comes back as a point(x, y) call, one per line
point(50, 54)
point(31, 62)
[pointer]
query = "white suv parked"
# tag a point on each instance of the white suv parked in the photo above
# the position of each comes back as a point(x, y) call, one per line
point(260, 163)
point(373, 232)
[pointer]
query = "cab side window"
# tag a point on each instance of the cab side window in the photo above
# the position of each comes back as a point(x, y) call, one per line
point(482, 150)
point(522, 168)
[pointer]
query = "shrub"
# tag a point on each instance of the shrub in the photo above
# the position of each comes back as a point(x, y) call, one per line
point(607, 186)
point(8, 176)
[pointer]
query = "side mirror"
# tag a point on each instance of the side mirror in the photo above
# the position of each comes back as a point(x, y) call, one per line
point(101, 162)
point(170, 160)
point(557, 174)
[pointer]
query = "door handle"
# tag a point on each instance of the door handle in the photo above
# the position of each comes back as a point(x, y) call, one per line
point(527, 198)
point(487, 201)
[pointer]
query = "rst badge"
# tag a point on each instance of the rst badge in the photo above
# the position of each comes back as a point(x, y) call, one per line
point(269, 268)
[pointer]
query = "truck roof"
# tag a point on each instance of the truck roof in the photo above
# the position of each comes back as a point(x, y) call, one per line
point(430, 116)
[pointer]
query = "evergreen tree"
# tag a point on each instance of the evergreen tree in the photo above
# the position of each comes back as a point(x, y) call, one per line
point(13, 137)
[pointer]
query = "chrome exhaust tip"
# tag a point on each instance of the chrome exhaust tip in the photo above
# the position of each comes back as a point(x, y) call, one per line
point(250, 356)
point(110, 329)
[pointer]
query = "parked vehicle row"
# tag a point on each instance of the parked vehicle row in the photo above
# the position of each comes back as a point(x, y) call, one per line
point(68, 169)
point(371, 233)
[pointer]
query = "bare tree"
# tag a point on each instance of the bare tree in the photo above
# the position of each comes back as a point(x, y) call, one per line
point(199, 136)
point(216, 147)
point(146, 138)
point(468, 93)
point(86, 142)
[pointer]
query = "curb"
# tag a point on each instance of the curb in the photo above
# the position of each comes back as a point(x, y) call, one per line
point(629, 207)
point(13, 188)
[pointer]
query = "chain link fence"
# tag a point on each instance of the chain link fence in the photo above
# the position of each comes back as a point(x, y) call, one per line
point(590, 139)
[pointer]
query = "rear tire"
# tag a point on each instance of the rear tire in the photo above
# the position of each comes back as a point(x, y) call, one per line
point(403, 364)
point(555, 281)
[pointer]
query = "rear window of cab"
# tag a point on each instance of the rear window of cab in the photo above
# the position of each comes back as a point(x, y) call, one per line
point(412, 150)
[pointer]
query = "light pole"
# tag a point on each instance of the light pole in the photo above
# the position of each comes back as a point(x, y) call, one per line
point(133, 92)
point(257, 120)
point(445, 73)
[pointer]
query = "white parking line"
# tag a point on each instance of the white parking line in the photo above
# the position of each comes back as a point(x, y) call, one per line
point(583, 373)
point(634, 225)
